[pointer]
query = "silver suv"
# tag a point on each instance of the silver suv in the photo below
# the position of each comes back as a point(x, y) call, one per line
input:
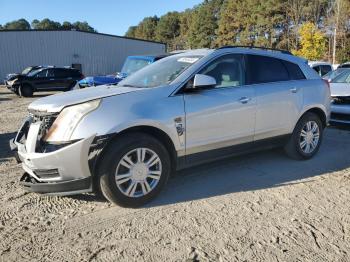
point(126, 140)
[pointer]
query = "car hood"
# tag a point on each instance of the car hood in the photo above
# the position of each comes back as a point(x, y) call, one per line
point(55, 103)
point(340, 89)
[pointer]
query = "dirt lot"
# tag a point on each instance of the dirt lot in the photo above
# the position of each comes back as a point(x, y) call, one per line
point(260, 207)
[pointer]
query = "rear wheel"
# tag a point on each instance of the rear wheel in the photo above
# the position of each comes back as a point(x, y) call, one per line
point(134, 169)
point(306, 138)
point(26, 90)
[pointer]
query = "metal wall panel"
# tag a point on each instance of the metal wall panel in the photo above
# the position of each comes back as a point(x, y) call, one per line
point(99, 54)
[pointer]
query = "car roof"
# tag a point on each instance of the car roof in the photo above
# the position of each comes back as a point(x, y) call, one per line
point(151, 56)
point(281, 54)
point(317, 63)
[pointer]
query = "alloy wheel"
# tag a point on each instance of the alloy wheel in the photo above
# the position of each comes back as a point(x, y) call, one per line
point(309, 137)
point(138, 172)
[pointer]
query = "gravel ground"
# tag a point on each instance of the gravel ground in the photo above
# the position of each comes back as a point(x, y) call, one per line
point(258, 207)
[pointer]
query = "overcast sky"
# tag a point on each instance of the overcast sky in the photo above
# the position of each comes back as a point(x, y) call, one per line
point(106, 16)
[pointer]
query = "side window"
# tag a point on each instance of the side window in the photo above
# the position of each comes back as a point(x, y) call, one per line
point(41, 74)
point(325, 69)
point(264, 69)
point(294, 71)
point(317, 69)
point(60, 73)
point(227, 70)
point(50, 73)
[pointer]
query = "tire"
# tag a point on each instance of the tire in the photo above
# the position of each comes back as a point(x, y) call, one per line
point(301, 138)
point(26, 90)
point(132, 191)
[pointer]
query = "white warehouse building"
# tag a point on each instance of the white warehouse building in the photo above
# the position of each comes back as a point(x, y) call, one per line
point(95, 53)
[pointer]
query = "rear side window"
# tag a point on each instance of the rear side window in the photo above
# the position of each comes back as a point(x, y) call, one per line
point(294, 71)
point(263, 69)
point(62, 73)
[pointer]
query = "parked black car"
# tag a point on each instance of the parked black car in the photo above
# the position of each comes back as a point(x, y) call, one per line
point(25, 71)
point(45, 79)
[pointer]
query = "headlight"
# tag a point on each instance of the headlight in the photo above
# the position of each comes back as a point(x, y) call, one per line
point(64, 125)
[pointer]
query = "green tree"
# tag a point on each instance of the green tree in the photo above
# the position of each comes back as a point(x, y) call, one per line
point(312, 43)
point(146, 29)
point(67, 25)
point(235, 23)
point(168, 28)
point(204, 24)
point(20, 24)
point(182, 42)
point(83, 26)
point(46, 24)
point(131, 32)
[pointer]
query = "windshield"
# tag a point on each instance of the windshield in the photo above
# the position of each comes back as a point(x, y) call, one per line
point(342, 78)
point(34, 72)
point(163, 72)
point(26, 70)
point(333, 74)
point(133, 64)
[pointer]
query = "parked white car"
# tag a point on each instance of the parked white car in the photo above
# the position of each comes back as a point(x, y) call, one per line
point(320, 67)
point(340, 92)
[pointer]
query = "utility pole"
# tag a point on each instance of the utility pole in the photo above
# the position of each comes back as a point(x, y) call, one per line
point(337, 3)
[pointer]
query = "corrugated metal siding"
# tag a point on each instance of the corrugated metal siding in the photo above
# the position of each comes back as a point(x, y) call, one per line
point(98, 54)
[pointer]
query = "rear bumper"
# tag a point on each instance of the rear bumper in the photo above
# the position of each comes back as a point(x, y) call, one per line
point(64, 171)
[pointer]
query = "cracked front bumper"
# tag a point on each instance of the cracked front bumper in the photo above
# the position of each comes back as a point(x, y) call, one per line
point(64, 171)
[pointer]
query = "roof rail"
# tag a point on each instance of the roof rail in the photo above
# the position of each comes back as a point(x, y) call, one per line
point(257, 47)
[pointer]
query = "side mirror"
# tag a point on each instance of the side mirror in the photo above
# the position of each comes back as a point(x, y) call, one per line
point(203, 81)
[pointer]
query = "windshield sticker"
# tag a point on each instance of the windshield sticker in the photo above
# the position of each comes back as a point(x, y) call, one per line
point(189, 60)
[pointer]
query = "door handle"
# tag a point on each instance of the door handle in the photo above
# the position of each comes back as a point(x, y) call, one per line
point(294, 90)
point(244, 99)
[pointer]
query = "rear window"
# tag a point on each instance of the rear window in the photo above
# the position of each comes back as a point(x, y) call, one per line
point(263, 69)
point(294, 71)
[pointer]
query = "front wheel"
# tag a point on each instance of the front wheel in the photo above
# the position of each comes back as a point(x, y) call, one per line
point(306, 138)
point(25, 90)
point(134, 169)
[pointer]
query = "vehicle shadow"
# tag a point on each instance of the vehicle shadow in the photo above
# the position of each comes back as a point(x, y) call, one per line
point(2, 99)
point(5, 151)
point(256, 171)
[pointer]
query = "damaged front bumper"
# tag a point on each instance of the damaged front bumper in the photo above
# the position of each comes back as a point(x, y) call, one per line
point(61, 172)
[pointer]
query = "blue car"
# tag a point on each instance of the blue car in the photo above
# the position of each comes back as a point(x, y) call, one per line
point(131, 65)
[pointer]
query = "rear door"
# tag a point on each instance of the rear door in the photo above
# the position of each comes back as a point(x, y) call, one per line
point(221, 117)
point(63, 78)
point(279, 94)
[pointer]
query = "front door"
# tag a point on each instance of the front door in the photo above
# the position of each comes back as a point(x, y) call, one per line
point(220, 117)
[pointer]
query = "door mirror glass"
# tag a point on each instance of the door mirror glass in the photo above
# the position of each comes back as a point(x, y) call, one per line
point(203, 81)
